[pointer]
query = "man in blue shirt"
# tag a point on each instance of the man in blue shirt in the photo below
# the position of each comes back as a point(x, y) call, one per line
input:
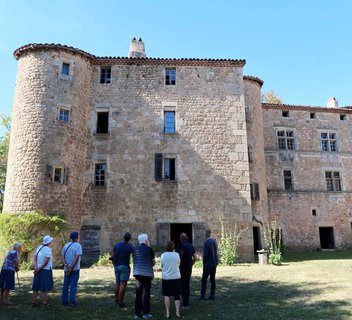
point(143, 262)
point(121, 259)
point(210, 262)
point(71, 256)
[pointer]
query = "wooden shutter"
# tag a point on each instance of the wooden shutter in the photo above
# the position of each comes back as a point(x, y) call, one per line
point(158, 166)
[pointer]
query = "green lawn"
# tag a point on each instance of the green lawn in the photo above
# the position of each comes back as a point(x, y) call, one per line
point(314, 285)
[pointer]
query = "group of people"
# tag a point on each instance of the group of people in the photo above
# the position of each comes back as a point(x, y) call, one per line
point(43, 274)
point(176, 266)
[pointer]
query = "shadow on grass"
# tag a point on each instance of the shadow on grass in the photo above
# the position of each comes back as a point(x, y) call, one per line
point(316, 255)
point(234, 300)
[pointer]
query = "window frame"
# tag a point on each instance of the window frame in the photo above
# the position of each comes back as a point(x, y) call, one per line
point(170, 76)
point(62, 118)
point(100, 183)
point(98, 131)
point(288, 180)
point(328, 144)
point(333, 183)
point(65, 69)
point(104, 75)
point(254, 191)
point(285, 138)
point(54, 175)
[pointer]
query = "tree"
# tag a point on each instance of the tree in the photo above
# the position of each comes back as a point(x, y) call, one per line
point(5, 122)
point(271, 97)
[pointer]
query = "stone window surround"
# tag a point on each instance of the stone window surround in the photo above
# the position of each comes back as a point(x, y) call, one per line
point(333, 179)
point(66, 108)
point(277, 129)
point(169, 106)
point(329, 140)
point(65, 76)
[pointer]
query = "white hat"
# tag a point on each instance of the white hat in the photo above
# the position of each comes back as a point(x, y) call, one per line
point(142, 238)
point(47, 239)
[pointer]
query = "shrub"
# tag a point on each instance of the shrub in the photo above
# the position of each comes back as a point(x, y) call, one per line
point(272, 237)
point(29, 229)
point(103, 260)
point(229, 241)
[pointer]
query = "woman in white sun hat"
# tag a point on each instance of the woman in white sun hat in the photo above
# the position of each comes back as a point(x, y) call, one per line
point(43, 273)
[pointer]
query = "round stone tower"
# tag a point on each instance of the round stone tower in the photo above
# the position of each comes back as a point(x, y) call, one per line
point(49, 131)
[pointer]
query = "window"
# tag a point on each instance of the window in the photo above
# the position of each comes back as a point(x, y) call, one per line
point(65, 69)
point(169, 169)
point(343, 117)
point(314, 212)
point(333, 181)
point(288, 180)
point(254, 189)
point(169, 122)
point(328, 141)
point(313, 115)
point(250, 153)
point(165, 168)
point(64, 115)
point(102, 122)
point(105, 75)
point(57, 175)
point(170, 76)
point(285, 139)
point(100, 175)
point(247, 114)
point(285, 114)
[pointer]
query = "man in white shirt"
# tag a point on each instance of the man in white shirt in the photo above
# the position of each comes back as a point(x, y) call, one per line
point(71, 256)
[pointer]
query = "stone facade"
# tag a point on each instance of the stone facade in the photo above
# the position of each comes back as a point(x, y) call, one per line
point(90, 141)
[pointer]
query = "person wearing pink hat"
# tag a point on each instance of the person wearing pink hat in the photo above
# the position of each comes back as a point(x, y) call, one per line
point(43, 273)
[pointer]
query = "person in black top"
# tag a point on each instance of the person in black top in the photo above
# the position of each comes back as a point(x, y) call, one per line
point(210, 261)
point(121, 260)
point(188, 258)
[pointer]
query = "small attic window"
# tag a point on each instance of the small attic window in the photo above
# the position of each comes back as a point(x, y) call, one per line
point(285, 114)
point(343, 117)
point(65, 69)
point(313, 115)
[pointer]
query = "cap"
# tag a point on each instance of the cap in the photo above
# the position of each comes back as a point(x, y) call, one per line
point(74, 235)
point(47, 239)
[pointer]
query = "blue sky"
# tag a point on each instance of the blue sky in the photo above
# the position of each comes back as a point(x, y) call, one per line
point(301, 49)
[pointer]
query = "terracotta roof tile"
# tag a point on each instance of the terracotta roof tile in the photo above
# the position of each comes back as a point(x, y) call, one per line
point(255, 79)
point(129, 61)
point(288, 107)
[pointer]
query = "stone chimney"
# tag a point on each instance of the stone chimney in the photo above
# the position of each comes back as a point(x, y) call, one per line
point(137, 49)
point(332, 103)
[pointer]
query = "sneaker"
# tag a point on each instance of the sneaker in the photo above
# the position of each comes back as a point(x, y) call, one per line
point(185, 307)
point(136, 316)
point(122, 306)
point(147, 316)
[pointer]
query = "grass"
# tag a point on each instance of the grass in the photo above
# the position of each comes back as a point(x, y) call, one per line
point(314, 285)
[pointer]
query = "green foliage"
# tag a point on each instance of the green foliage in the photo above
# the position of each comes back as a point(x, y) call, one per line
point(228, 246)
point(272, 237)
point(103, 260)
point(5, 121)
point(29, 229)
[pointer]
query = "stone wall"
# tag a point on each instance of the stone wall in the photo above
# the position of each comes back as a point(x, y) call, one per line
point(310, 205)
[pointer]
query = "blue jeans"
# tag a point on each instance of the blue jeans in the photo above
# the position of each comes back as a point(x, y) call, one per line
point(70, 282)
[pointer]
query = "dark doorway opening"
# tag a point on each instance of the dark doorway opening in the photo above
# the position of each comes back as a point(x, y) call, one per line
point(256, 239)
point(327, 237)
point(177, 228)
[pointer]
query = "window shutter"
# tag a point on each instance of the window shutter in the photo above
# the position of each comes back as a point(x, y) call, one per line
point(48, 172)
point(66, 172)
point(158, 166)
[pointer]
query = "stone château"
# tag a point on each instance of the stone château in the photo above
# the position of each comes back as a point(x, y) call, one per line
point(165, 146)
